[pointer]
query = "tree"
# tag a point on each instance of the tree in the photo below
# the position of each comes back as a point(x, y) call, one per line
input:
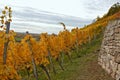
point(114, 9)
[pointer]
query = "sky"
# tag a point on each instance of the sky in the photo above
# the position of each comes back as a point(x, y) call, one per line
point(65, 10)
point(79, 8)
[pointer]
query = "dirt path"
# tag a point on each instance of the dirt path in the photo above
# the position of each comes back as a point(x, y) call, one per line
point(89, 69)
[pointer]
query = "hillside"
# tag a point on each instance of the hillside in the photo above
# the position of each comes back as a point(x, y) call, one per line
point(68, 55)
point(84, 68)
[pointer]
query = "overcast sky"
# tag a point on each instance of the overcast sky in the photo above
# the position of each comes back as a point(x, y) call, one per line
point(85, 10)
point(79, 8)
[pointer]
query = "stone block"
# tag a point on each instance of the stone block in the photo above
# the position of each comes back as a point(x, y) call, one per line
point(118, 73)
point(117, 58)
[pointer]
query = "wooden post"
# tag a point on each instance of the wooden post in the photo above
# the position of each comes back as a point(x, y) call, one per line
point(51, 62)
point(77, 48)
point(44, 68)
point(77, 45)
point(62, 57)
point(89, 41)
point(28, 74)
point(7, 27)
point(60, 63)
point(69, 57)
point(33, 61)
point(6, 43)
point(34, 67)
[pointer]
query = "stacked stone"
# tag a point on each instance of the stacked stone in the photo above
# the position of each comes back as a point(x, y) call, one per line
point(109, 56)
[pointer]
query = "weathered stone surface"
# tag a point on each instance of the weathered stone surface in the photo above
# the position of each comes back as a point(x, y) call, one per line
point(116, 30)
point(118, 77)
point(109, 54)
point(113, 66)
point(117, 58)
point(118, 73)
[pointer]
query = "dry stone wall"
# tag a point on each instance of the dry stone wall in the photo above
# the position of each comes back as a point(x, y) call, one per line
point(109, 56)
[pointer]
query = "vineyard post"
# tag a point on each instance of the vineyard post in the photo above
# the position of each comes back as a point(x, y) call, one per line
point(94, 34)
point(28, 74)
point(33, 60)
point(62, 57)
point(69, 57)
point(45, 69)
point(6, 43)
point(64, 37)
point(50, 59)
point(34, 64)
point(60, 63)
point(34, 67)
point(77, 41)
point(89, 40)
